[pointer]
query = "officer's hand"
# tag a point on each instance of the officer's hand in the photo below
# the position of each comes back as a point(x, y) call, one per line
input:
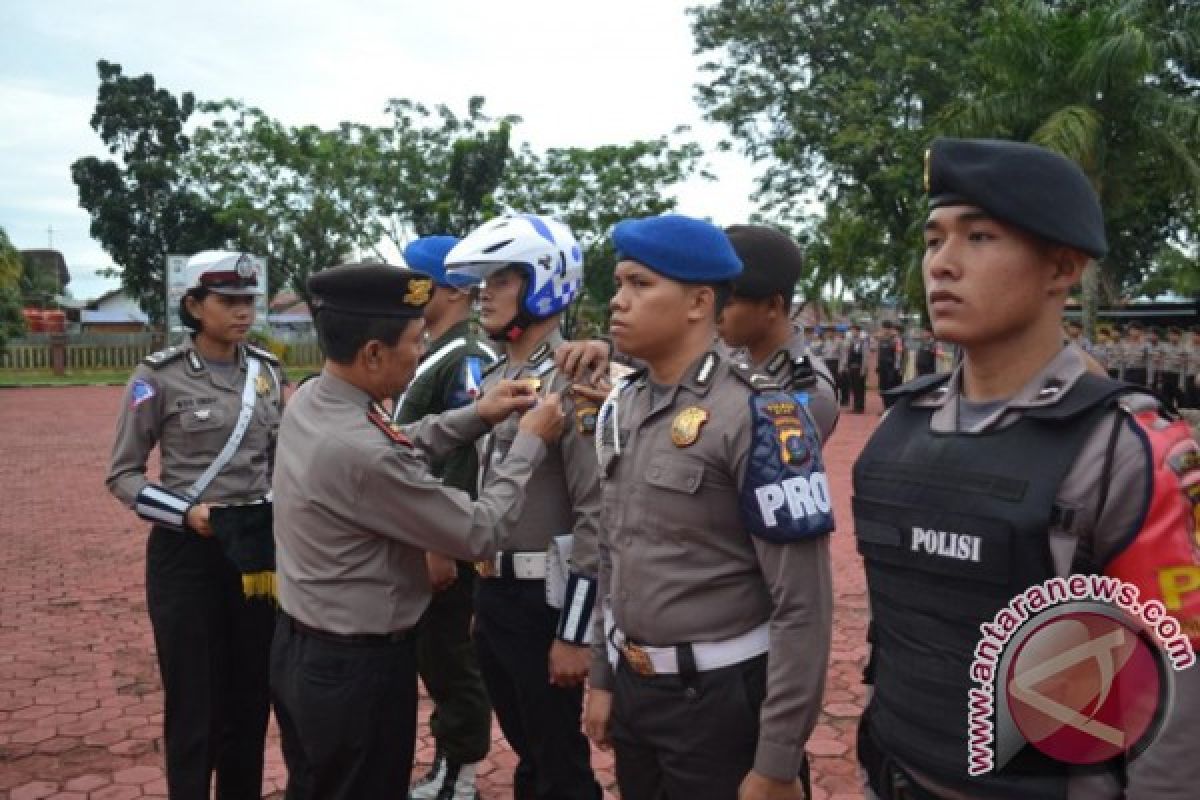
point(760, 787)
point(443, 572)
point(597, 392)
point(545, 419)
point(583, 361)
point(197, 519)
point(568, 664)
point(505, 398)
point(597, 716)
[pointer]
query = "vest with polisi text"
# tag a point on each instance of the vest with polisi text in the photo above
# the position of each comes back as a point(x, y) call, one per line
point(951, 527)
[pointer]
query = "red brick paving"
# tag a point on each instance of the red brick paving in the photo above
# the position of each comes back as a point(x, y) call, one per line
point(80, 701)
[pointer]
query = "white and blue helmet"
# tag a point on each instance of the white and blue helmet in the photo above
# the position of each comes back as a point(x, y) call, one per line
point(544, 247)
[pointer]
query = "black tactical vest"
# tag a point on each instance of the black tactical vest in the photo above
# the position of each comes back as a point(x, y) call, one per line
point(951, 527)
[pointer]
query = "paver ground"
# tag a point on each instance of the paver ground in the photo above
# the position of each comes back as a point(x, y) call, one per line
point(80, 700)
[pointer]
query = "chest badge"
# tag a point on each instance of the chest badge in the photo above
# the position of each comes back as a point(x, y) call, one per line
point(262, 386)
point(203, 414)
point(685, 429)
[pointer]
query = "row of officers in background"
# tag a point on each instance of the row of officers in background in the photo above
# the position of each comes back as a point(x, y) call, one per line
point(516, 519)
point(1164, 359)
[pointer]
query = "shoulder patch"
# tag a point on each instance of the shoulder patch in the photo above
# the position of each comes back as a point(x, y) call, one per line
point(139, 392)
point(163, 357)
point(393, 431)
point(784, 496)
point(262, 354)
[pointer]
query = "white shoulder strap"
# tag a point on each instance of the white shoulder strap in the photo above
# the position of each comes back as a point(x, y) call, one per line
point(239, 431)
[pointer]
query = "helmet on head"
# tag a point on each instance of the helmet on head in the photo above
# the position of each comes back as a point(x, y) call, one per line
point(542, 248)
point(223, 272)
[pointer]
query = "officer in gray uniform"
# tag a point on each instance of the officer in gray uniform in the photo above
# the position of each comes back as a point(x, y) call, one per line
point(715, 545)
point(212, 407)
point(449, 377)
point(356, 510)
point(1018, 467)
point(755, 319)
point(534, 600)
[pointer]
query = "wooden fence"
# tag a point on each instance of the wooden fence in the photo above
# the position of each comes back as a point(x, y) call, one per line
point(82, 353)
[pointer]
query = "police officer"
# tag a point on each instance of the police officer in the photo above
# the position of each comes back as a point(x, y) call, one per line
point(889, 359)
point(715, 547)
point(854, 370)
point(449, 377)
point(535, 599)
point(831, 350)
point(212, 407)
point(755, 319)
point(1169, 370)
point(1019, 466)
point(356, 511)
point(1135, 356)
point(927, 353)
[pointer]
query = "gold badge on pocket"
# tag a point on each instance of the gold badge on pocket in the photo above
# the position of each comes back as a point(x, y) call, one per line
point(685, 429)
point(262, 386)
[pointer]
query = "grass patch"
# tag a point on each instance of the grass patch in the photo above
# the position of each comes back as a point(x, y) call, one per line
point(10, 378)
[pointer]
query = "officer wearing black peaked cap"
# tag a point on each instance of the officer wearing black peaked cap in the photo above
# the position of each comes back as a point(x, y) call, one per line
point(1019, 468)
point(356, 510)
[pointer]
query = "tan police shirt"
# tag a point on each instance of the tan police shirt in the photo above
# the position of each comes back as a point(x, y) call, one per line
point(564, 492)
point(356, 508)
point(1169, 770)
point(782, 367)
point(677, 565)
point(176, 401)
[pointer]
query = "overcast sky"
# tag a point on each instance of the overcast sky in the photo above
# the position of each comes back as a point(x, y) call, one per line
point(582, 74)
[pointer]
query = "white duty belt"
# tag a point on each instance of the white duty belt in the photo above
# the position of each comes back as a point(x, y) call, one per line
point(523, 566)
point(249, 395)
point(647, 660)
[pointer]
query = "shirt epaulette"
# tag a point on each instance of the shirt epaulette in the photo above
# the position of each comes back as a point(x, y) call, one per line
point(163, 357)
point(756, 380)
point(262, 354)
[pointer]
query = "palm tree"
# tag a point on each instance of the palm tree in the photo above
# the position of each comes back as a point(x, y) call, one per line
point(1113, 85)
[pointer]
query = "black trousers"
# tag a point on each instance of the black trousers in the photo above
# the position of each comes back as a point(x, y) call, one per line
point(678, 738)
point(213, 654)
point(1136, 375)
point(854, 387)
point(514, 628)
point(462, 717)
point(347, 715)
point(889, 378)
point(1170, 388)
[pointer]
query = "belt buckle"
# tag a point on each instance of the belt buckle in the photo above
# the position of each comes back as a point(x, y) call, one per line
point(486, 569)
point(639, 660)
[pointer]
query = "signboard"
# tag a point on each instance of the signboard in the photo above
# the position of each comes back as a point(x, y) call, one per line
point(177, 285)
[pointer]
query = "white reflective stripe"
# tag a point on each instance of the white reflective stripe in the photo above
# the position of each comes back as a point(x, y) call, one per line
point(492, 354)
point(235, 439)
point(429, 363)
point(159, 515)
point(164, 498)
point(577, 624)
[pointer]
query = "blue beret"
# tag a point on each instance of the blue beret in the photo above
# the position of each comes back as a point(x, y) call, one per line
point(679, 247)
point(1035, 189)
point(428, 254)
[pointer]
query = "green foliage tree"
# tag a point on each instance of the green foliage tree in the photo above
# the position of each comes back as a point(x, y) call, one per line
point(12, 322)
point(835, 100)
point(840, 99)
point(591, 189)
point(1122, 104)
point(307, 197)
point(141, 207)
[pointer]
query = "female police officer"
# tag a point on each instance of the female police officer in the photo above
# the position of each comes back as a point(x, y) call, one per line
point(212, 405)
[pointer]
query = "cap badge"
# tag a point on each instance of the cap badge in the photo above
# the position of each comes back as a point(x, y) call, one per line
point(685, 429)
point(245, 268)
point(418, 292)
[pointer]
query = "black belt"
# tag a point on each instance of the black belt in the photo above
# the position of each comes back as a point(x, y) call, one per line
point(369, 639)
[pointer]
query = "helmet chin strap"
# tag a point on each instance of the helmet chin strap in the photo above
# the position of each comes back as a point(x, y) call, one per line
point(515, 327)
